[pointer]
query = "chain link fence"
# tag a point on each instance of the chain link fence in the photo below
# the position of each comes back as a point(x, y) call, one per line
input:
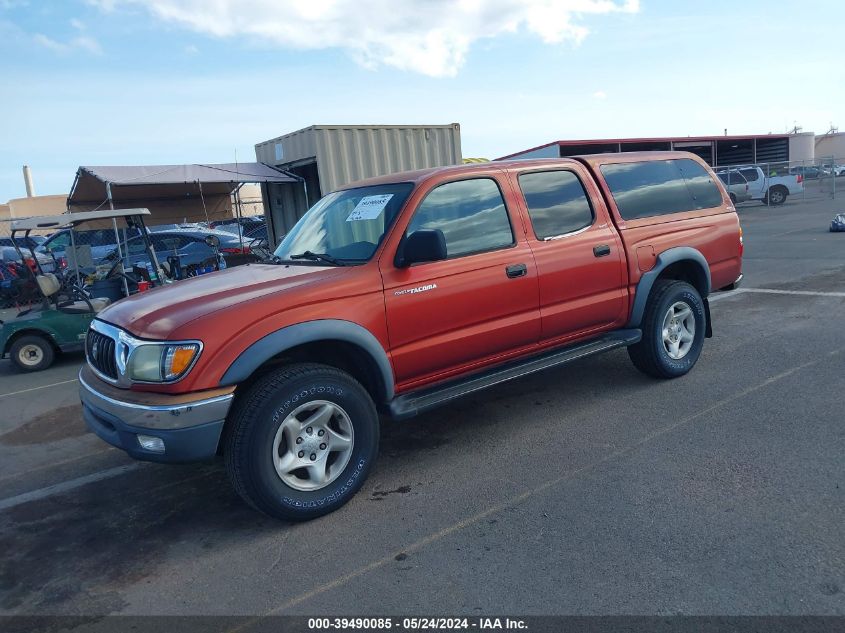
point(777, 183)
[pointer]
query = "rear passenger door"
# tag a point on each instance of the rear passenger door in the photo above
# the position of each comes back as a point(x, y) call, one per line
point(756, 184)
point(579, 257)
point(475, 306)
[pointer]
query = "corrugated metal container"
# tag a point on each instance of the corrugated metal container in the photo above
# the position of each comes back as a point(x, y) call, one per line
point(331, 156)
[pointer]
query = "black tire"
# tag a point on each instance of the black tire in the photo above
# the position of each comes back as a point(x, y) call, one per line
point(255, 423)
point(650, 355)
point(777, 195)
point(32, 352)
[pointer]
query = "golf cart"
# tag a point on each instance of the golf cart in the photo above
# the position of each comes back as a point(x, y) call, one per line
point(62, 304)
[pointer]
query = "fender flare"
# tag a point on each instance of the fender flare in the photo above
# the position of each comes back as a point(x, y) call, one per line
point(6, 337)
point(286, 338)
point(665, 259)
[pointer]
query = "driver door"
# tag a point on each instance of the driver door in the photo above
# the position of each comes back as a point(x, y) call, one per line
point(475, 307)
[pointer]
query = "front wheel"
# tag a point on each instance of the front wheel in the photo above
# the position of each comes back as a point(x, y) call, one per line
point(302, 441)
point(674, 324)
point(32, 352)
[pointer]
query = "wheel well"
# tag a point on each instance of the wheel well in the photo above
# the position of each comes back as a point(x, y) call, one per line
point(778, 188)
point(29, 332)
point(342, 355)
point(688, 271)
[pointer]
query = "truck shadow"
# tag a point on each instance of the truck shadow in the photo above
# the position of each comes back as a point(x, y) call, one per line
point(73, 553)
point(555, 392)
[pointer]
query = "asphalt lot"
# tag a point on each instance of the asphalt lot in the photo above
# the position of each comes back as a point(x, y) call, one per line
point(586, 490)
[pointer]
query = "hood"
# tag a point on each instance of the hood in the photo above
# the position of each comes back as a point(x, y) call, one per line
point(156, 313)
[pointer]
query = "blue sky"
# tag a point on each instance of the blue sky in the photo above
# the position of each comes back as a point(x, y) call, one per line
point(102, 82)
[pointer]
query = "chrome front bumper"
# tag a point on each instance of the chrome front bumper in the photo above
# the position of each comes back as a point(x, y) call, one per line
point(188, 427)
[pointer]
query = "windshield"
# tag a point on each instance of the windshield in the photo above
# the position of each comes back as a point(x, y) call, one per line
point(345, 225)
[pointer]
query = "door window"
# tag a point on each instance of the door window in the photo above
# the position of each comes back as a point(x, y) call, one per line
point(471, 214)
point(557, 203)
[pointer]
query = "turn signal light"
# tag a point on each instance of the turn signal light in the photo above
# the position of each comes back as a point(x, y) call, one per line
point(178, 359)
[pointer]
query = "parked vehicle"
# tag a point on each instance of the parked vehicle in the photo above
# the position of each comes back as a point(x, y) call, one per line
point(837, 225)
point(58, 314)
point(736, 184)
point(401, 293)
point(196, 226)
point(30, 242)
point(8, 255)
point(194, 254)
point(808, 172)
point(232, 224)
point(769, 188)
point(101, 241)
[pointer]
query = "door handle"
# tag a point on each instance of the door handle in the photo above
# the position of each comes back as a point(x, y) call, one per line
point(601, 250)
point(516, 270)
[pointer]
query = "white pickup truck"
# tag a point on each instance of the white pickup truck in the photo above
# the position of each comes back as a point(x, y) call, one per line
point(769, 189)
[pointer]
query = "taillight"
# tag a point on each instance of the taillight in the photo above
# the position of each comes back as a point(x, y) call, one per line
point(741, 243)
point(800, 178)
point(236, 250)
point(746, 187)
point(31, 263)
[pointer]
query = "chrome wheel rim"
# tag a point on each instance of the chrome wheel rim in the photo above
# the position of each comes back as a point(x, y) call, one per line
point(776, 196)
point(30, 355)
point(313, 445)
point(678, 330)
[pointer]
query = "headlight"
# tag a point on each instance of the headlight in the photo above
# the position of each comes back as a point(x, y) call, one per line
point(161, 362)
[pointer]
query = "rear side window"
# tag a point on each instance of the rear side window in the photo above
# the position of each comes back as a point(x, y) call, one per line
point(705, 193)
point(557, 202)
point(659, 187)
point(471, 214)
point(750, 174)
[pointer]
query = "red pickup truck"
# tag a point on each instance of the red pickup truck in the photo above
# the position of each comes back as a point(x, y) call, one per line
point(401, 293)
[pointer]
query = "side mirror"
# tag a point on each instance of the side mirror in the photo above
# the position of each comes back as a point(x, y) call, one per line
point(212, 240)
point(423, 245)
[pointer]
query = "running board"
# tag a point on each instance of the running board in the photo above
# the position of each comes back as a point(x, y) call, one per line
point(411, 404)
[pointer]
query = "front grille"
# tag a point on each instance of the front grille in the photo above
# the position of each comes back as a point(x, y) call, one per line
point(100, 351)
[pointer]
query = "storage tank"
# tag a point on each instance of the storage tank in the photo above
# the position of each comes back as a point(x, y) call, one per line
point(831, 145)
point(802, 147)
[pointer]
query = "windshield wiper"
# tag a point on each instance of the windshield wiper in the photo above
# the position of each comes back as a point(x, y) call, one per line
point(321, 257)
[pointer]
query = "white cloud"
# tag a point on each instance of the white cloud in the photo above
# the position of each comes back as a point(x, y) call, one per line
point(79, 25)
point(85, 43)
point(190, 49)
point(431, 37)
point(600, 94)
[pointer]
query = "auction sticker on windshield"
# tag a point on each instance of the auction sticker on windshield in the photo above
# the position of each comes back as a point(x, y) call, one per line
point(370, 207)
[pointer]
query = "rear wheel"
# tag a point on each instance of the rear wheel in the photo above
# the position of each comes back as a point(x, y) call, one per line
point(777, 195)
point(673, 330)
point(32, 352)
point(302, 441)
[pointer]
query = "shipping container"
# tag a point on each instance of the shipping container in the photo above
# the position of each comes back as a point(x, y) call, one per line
point(331, 156)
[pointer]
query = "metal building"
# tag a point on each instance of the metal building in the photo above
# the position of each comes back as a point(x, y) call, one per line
point(716, 150)
point(331, 156)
